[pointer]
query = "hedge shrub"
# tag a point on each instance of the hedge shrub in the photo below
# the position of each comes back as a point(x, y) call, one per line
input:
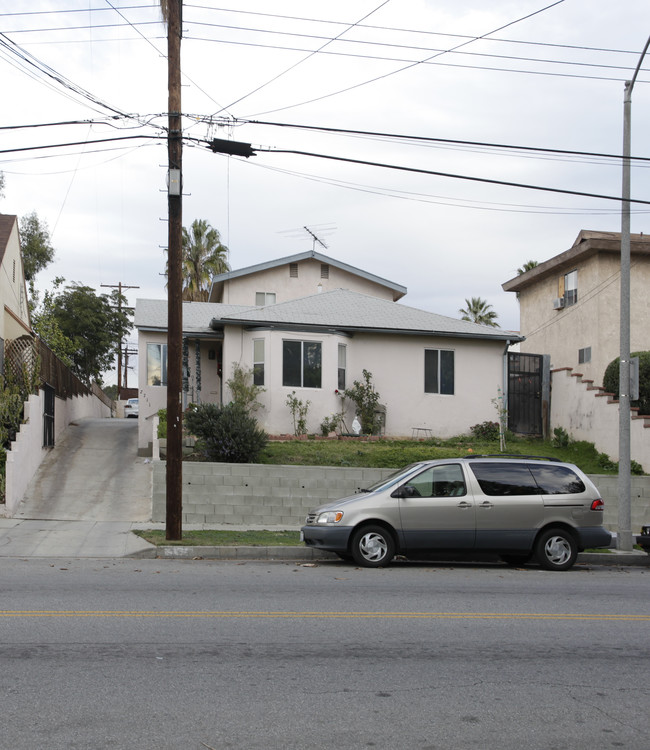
point(226, 434)
point(611, 378)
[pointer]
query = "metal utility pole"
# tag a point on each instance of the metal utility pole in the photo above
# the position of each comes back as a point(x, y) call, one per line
point(624, 535)
point(174, 475)
point(119, 286)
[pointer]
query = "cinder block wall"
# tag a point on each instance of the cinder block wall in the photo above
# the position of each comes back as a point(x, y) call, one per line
point(261, 494)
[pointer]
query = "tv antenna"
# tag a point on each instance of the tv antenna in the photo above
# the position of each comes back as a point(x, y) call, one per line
point(317, 234)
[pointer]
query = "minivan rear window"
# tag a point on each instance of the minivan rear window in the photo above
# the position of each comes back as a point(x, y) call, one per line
point(557, 480)
point(505, 479)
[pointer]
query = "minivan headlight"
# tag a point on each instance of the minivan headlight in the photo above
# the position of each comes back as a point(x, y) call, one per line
point(330, 516)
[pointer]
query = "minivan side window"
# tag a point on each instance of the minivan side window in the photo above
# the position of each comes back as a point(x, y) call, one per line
point(557, 480)
point(505, 479)
point(445, 480)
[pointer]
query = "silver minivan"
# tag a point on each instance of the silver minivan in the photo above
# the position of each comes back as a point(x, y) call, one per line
point(518, 508)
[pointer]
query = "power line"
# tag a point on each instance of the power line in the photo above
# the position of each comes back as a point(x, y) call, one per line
point(464, 203)
point(300, 62)
point(79, 143)
point(435, 173)
point(428, 139)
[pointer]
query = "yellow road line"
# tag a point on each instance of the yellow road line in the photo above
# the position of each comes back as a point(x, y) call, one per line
point(331, 615)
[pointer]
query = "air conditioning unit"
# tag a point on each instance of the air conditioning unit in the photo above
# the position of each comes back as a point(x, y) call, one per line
point(558, 303)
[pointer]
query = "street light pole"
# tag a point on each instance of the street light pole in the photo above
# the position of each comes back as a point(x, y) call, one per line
point(624, 535)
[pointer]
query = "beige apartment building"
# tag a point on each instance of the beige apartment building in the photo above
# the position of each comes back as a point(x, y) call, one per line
point(570, 304)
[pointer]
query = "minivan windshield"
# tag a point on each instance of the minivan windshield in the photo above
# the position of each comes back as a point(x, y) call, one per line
point(393, 478)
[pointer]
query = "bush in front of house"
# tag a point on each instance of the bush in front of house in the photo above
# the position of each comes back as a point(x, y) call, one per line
point(611, 378)
point(487, 431)
point(227, 434)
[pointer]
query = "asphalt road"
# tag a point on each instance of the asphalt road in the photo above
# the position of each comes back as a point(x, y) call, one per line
point(163, 654)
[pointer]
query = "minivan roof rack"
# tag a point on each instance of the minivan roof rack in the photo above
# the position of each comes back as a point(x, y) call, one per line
point(512, 455)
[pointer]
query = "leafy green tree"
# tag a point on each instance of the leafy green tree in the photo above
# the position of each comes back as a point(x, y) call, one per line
point(365, 398)
point(85, 327)
point(478, 310)
point(204, 256)
point(35, 245)
point(243, 389)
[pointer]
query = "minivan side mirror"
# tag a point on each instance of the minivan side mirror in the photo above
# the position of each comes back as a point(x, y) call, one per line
point(406, 490)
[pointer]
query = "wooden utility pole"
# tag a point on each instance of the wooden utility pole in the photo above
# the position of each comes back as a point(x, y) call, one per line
point(174, 475)
point(119, 286)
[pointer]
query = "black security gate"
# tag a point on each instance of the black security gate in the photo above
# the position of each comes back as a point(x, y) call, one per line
point(49, 399)
point(526, 388)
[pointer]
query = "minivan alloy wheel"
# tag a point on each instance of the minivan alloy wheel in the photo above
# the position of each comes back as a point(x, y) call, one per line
point(372, 546)
point(556, 549)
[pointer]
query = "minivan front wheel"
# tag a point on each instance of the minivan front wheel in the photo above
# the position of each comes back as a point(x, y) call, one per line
point(556, 549)
point(372, 547)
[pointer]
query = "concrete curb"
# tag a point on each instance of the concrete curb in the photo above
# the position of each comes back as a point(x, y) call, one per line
point(305, 554)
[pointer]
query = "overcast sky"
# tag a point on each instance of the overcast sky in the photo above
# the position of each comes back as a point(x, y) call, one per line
point(526, 73)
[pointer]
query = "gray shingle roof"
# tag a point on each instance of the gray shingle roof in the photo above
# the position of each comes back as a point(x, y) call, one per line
point(347, 310)
point(151, 314)
point(338, 309)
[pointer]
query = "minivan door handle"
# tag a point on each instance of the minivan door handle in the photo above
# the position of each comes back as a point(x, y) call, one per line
point(464, 504)
point(486, 504)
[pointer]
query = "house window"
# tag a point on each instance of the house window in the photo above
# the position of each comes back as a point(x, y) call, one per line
point(584, 355)
point(569, 288)
point(293, 270)
point(324, 271)
point(264, 298)
point(156, 364)
point(258, 361)
point(343, 356)
point(301, 364)
point(439, 371)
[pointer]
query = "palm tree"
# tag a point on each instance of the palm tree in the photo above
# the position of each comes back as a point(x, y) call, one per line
point(479, 311)
point(528, 266)
point(204, 256)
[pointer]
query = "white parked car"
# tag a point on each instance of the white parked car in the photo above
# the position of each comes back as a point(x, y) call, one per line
point(131, 408)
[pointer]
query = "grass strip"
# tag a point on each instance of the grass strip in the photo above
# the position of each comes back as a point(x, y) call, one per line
point(223, 538)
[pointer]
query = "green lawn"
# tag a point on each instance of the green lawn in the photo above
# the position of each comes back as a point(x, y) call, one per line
point(396, 453)
point(212, 538)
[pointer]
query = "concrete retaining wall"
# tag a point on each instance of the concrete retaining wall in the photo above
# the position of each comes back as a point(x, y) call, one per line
point(260, 494)
point(257, 494)
point(27, 449)
point(588, 412)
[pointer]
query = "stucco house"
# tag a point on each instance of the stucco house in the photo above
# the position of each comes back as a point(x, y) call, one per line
point(310, 324)
point(570, 304)
point(14, 321)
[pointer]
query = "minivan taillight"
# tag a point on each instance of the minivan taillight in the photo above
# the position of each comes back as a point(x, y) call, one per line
point(597, 504)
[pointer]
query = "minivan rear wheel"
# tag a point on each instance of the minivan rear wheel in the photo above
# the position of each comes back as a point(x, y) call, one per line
point(556, 549)
point(372, 547)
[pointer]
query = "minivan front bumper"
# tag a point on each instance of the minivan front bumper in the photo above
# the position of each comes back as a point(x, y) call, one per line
point(329, 538)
